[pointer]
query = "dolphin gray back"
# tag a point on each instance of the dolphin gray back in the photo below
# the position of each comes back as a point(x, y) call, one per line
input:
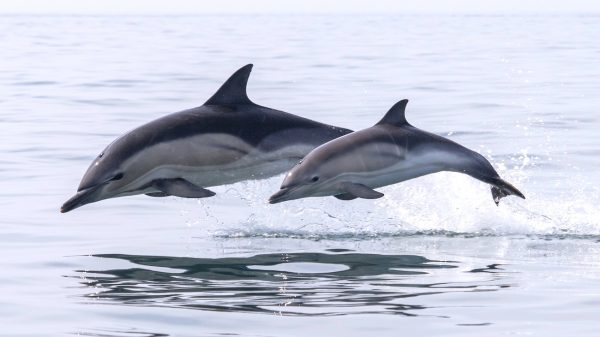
point(230, 111)
point(394, 139)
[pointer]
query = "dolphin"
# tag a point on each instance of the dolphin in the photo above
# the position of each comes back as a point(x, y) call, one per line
point(226, 140)
point(389, 152)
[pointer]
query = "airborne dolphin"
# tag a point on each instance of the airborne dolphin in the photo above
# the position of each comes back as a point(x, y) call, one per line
point(226, 140)
point(389, 152)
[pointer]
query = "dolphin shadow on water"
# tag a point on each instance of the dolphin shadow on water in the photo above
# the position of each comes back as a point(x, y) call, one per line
point(226, 140)
point(295, 284)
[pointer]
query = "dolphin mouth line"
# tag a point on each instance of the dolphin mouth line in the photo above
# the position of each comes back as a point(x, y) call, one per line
point(281, 195)
point(79, 198)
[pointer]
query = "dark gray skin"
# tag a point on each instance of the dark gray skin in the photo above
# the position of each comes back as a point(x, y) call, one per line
point(391, 151)
point(228, 139)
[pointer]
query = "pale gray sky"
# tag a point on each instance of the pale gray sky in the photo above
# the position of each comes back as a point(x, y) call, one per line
point(306, 6)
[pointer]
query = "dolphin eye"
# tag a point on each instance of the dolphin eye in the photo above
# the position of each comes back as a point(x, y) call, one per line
point(314, 179)
point(118, 177)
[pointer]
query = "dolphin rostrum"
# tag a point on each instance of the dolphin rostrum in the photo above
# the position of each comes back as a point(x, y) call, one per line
point(391, 151)
point(226, 140)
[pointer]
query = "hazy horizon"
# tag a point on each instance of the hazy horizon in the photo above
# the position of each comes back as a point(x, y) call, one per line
point(182, 7)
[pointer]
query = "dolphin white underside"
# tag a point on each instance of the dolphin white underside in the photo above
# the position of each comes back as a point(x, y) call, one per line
point(415, 164)
point(187, 158)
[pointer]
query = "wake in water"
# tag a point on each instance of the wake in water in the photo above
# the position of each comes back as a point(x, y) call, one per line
point(442, 203)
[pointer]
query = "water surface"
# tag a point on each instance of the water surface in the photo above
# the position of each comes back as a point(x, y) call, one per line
point(434, 256)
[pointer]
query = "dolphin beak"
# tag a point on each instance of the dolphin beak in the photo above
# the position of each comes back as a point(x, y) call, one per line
point(280, 196)
point(79, 199)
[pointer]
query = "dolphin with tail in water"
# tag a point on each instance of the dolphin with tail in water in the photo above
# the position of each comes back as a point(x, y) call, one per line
point(391, 151)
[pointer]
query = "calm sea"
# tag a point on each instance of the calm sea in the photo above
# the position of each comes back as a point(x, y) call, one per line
point(435, 256)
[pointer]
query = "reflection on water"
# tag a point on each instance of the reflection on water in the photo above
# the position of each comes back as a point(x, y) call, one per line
point(334, 283)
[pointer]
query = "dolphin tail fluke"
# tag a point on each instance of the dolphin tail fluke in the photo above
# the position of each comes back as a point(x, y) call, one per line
point(501, 189)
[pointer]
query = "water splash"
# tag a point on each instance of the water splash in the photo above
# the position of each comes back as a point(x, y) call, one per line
point(443, 203)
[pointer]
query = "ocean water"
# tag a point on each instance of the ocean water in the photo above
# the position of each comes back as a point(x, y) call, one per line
point(435, 256)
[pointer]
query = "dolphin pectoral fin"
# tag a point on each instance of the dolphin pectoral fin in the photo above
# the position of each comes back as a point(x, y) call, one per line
point(359, 191)
point(345, 196)
point(181, 188)
point(157, 194)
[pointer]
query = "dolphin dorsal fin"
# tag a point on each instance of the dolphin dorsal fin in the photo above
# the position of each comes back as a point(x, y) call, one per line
point(396, 116)
point(233, 91)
